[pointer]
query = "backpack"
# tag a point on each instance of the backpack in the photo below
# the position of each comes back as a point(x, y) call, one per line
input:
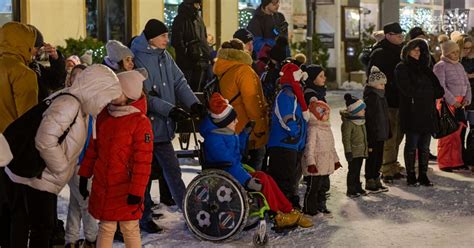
point(21, 134)
point(213, 87)
point(364, 56)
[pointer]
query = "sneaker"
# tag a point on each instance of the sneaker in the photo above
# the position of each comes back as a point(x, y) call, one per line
point(447, 169)
point(360, 190)
point(370, 185)
point(352, 194)
point(151, 227)
point(380, 186)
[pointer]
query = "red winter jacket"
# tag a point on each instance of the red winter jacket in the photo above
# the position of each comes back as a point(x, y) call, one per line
point(120, 161)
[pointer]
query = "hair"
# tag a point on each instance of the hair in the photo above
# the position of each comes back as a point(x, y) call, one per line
point(233, 44)
point(464, 38)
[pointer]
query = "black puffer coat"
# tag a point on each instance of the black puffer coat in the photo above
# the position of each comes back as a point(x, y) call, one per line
point(419, 88)
point(189, 37)
point(376, 115)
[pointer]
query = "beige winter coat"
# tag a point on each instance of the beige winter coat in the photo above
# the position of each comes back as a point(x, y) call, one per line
point(95, 87)
point(320, 148)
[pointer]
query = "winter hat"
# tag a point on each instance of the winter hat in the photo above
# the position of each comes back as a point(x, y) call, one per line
point(154, 28)
point(442, 38)
point(222, 113)
point(265, 3)
point(244, 35)
point(300, 59)
point(278, 51)
point(415, 32)
point(455, 36)
point(318, 108)
point(116, 51)
point(313, 71)
point(376, 76)
point(291, 74)
point(393, 27)
point(448, 47)
point(131, 83)
point(353, 104)
point(74, 59)
point(86, 58)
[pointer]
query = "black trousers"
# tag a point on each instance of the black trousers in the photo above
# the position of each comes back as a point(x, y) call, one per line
point(374, 161)
point(315, 196)
point(353, 175)
point(197, 76)
point(33, 215)
point(285, 168)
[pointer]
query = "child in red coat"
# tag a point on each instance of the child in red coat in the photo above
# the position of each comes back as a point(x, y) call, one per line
point(119, 158)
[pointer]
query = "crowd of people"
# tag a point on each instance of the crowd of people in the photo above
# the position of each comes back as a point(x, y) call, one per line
point(109, 128)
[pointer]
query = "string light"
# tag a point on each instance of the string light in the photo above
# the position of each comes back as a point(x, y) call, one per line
point(245, 15)
point(417, 17)
point(455, 20)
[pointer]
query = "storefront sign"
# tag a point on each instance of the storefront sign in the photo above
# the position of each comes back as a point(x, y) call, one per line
point(327, 40)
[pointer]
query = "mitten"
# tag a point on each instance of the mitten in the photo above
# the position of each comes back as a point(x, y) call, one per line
point(199, 110)
point(178, 114)
point(312, 169)
point(133, 199)
point(337, 165)
point(348, 156)
point(83, 187)
point(254, 184)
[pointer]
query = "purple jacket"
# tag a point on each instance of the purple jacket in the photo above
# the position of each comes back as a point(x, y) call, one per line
point(454, 80)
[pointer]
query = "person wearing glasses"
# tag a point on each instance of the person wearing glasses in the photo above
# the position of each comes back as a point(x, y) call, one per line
point(386, 57)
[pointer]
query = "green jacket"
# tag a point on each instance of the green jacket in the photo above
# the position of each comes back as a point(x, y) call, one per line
point(354, 137)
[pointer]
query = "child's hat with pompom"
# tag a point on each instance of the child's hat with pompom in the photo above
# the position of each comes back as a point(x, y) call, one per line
point(291, 74)
point(222, 113)
point(354, 105)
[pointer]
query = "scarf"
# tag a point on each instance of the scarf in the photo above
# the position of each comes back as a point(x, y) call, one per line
point(448, 60)
point(118, 111)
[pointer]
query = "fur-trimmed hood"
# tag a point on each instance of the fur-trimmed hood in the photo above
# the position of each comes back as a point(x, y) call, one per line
point(425, 56)
point(228, 58)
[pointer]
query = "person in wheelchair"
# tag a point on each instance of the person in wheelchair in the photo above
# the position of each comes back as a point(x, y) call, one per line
point(222, 145)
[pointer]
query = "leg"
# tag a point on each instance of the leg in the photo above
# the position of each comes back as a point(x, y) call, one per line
point(423, 159)
point(409, 153)
point(165, 194)
point(4, 211)
point(282, 169)
point(146, 222)
point(89, 224)
point(298, 173)
point(131, 233)
point(42, 215)
point(324, 188)
point(371, 162)
point(275, 198)
point(310, 206)
point(105, 237)
point(19, 224)
point(353, 176)
point(256, 158)
point(166, 157)
point(73, 222)
point(390, 154)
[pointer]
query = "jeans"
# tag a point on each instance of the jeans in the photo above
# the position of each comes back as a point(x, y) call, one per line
point(390, 165)
point(374, 161)
point(420, 141)
point(255, 158)
point(130, 231)
point(78, 209)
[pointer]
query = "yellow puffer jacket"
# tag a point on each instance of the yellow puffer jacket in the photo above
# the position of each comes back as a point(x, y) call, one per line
point(18, 83)
point(233, 68)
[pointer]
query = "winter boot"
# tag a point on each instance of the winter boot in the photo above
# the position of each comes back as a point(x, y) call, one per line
point(89, 244)
point(380, 186)
point(423, 169)
point(360, 190)
point(410, 165)
point(371, 186)
point(284, 220)
point(304, 221)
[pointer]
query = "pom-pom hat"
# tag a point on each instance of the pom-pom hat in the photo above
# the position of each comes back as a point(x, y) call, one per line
point(222, 113)
point(354, 105)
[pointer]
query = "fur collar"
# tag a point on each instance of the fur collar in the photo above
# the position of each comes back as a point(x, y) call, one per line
point(235, 55)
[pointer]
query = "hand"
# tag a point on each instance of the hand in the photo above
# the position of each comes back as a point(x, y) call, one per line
point(178, 114)
point(254, 184)
point(133, 199)
point(83, 187)
point(457, 105)
point(249, 126)
point(348, 156)
point(199, 110)
point(312, 169)
point(51, 51)
point(337, 165)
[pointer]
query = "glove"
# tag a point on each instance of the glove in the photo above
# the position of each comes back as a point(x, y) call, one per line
point(83, 187)
point(294, 128)
point(337, 165)
point(198, 110)
point(348, 156)
point(249, 126)
point(178, 114)
point(133, 199)
point(254, 184)
point(312, 169)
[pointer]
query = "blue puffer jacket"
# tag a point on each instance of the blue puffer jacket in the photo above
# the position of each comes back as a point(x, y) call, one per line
point(288, 128)
point(223, 145)
point(165, 85)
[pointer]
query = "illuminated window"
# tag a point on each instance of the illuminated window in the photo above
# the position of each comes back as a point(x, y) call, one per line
point(9, 11)
point(246, 10)
point(109, 20)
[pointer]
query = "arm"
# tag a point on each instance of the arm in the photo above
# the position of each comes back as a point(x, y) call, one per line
point(87, 166)
point(177, 37)
point(284, 107)
point(181, 87)
point(346, 130)
point(371, 117)
point(404, 84)
point(25, 90)
point(468, 97)
point(140, 163)
point(439, 71)
point(311, 144)
point(55, 75)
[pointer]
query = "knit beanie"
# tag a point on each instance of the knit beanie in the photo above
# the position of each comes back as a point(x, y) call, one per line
point(116, 51)
point(86, 58)
point(291, 75)
point(154, 28)
point(353, 104)
point(313, 72)
point(318, 108)
point(222, 113)
point(376, 76)
point(442, 38)
point(131, 83)
point(448, 47)
point(278, 51)
point(455, 36)
point(74, 59)
point(244, 35)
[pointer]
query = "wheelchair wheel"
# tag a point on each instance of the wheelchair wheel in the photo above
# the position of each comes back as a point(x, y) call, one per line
point(215, 206)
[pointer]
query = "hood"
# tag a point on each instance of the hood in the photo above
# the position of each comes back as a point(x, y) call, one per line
point(187, 10)
point(228, 57)
point(206, 127)
point(17, 39)
point(140, 44)
point(96, 87)
point(138, 106)
point(425, 56)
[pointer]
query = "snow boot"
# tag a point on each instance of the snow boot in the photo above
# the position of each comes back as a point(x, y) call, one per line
point(360, 190)
point(284, 220)
point(371, 186)
point(380, 186)
point(410, 165)
point(423, 159)
point(304, 221)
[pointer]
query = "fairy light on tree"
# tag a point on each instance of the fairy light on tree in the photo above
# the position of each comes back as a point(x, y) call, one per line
point(417, 17)
point(245, 15)
point(455, 20)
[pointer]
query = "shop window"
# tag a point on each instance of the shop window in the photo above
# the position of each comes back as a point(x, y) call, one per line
point(109, 20)
point(9, 11)
point(246, 10)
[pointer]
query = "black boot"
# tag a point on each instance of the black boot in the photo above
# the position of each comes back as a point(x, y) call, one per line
point(410, 157)
point(351, 186)
point(423, 159)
